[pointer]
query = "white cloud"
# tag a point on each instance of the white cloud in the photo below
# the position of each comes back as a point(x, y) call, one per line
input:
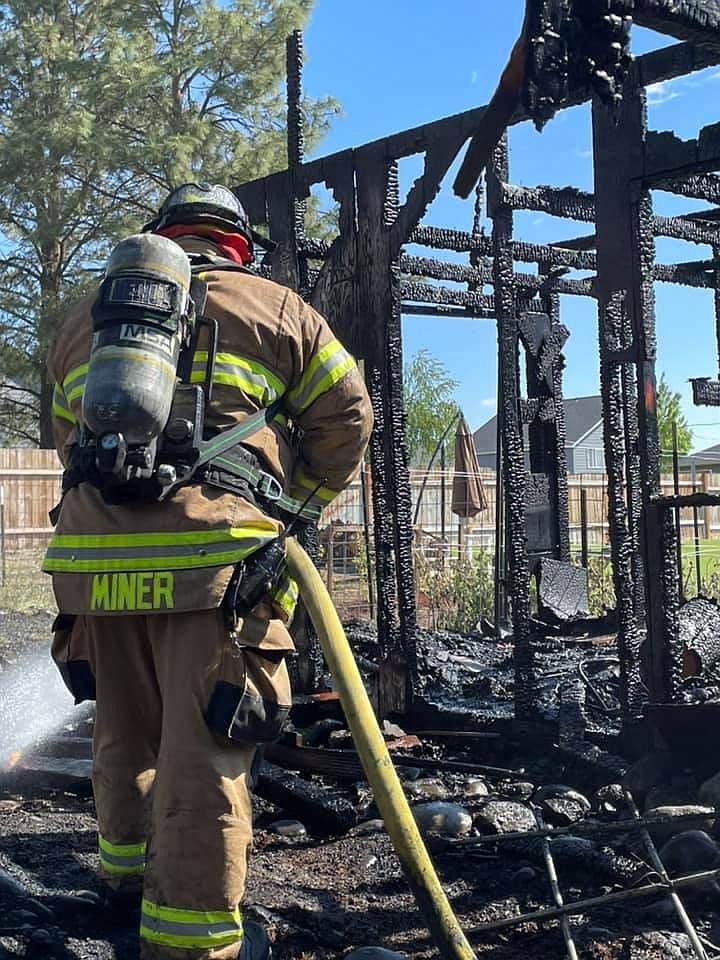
point(661, 92)
point(488, 402)
point(473, 76)
point(584, 154)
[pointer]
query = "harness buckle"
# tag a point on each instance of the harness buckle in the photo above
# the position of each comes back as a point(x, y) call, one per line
point(269, 487)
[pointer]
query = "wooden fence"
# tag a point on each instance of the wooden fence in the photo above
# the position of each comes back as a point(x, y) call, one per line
point(30, 487)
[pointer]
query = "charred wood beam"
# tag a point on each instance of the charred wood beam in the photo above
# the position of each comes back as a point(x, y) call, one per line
point(700, 273)
point(461, 273)
point(566, 202)
point(427, 293)
point(694, 20)
point(665, 64)
point(462, 241)
point(704, 186)
point(553, 256)
point(513, 459)
point(625, 252)
point(684, 228)
point(576, 243)
point(442, 238)
point(688, 227)
point(442, 270)
point(666, 155)
point(442, 310)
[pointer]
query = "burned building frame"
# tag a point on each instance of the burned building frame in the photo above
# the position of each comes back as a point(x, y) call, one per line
point(363, 281)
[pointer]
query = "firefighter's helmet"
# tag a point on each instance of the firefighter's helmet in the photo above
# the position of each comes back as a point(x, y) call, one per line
point(203, 202)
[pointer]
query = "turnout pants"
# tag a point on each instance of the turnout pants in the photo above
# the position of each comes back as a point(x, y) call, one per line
point(172, 796)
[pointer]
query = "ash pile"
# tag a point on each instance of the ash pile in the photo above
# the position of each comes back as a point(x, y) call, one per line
point(547, 840)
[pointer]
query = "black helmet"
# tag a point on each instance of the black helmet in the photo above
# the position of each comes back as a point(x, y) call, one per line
point(203, 203)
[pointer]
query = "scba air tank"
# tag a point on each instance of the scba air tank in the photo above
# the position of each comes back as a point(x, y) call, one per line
point(141, 319)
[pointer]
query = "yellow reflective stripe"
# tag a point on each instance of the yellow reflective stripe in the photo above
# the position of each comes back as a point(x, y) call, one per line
point(189, 929)
point(329, 365)
point(60, 406)
point(177, 915)
point(302, 485)
point(286, 596)
point(63, 414)
point(122, 849)
point(247, 375)
point(122, 858)
point(164, 539)
point(71, 387)
point(75, 374)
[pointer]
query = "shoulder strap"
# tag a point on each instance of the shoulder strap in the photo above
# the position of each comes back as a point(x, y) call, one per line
point(224, 442)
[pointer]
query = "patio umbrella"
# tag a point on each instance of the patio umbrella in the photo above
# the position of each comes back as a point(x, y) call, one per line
point(468, 496)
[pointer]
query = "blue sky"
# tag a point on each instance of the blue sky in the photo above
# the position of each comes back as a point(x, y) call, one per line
point(396, 65)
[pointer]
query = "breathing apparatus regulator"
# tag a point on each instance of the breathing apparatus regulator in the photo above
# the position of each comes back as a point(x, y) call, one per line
point(143, 418)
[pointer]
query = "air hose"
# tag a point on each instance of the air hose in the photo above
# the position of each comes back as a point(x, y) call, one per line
point(379, 769)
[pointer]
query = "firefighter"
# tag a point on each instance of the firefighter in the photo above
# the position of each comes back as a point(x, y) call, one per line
point(141, 582)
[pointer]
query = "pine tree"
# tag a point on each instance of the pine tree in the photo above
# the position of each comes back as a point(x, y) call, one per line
point(103, 108)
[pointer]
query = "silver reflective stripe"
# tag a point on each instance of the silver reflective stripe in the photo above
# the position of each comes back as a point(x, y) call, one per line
point(191, 929)
point(122, 861)
point(243, 545)
point(309, 391)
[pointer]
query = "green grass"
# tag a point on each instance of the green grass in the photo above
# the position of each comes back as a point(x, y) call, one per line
point(26, 589)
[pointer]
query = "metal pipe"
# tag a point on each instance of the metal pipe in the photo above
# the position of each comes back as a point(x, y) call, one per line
point(660, 867)
point(366, 527)
point(583, 528)
point(583, 829)
point(557, 895)
point(678, 526)
point(696, 532)
point(583, 906)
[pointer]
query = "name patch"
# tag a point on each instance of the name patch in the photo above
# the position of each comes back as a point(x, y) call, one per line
point(132, 591)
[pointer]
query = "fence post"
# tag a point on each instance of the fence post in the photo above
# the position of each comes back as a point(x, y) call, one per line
point(707, 512)
point(2, 532)
point(330, 549)
point(583, 528)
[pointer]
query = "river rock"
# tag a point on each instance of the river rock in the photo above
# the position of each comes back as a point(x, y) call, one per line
point(519, 790)
point(691, 852)
point(448, 818)
point(318, 734)
point(392, 731)
point(680, 792)
point(288, 828)
point(561, 812)
point(475, 788)
point(554, 791)
point(610, 801)
point(709, 791)
point(523, 878)
point(504, 816)
point(662, 832)
point(375, 953)
point(426, 789)
point(367, 827)
point(656, 943)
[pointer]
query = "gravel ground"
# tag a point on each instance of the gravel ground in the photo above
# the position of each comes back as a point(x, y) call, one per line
point(318, 896)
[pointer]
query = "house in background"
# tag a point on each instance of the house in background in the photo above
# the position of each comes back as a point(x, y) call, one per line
point(583, 437)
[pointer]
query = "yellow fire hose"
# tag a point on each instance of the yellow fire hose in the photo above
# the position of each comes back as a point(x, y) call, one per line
point(394, 808)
